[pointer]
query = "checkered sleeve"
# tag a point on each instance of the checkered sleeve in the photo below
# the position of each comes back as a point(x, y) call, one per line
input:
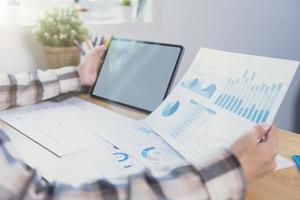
point(28, 88)
point(219, 177)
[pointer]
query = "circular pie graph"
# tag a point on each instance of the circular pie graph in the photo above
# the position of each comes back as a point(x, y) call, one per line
point(171, 108)
point(121, 157)
point(151, 153)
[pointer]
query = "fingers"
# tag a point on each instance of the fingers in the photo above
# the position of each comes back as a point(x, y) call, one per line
point(97, 51)
point(272, 142)
point(97, 54)
point(260, 131)
point(100, 50)
point(273, 135)
point(270, 146)
point(271, 138)
point(251, 137)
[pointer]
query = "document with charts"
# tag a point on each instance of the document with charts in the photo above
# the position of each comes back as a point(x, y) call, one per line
point(70, 130)
point(220, 96)
point(65, 127)
point(143, 144)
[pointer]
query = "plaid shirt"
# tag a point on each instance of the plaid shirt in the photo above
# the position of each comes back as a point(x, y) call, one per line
point(220, 177)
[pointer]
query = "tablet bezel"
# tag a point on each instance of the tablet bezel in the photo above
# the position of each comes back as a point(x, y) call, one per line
point(175, 69)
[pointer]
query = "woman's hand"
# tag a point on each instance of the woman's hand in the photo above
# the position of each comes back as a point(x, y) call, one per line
point(256, 151)
point(89, 67)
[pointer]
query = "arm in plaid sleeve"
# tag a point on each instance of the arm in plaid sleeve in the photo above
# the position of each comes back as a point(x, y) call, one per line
point(35, 86)
point(221, 177)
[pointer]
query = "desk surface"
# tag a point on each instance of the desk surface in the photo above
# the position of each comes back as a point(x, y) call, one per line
point(281, 184)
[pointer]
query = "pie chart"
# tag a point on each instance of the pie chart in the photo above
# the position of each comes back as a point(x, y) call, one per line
point(151, 153)
point(121, 157)
point(171, 108)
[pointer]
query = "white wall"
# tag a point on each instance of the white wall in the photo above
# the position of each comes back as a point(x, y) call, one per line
point(19, 51)
point(267, 28)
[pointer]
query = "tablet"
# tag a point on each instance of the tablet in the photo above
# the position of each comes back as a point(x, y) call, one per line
point(137, 74)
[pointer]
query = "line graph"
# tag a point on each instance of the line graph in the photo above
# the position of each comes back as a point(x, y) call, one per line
point(198, 87)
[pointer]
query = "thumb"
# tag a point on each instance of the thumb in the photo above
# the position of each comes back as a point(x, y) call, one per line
point(272, 138)
point(261, 130)
point(100, 50)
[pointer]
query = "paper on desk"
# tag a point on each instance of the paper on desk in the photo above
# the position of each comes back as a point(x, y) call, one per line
point(100, 160)
point(112, 162)
point(74, 169)
point(64, 127)
point(283, 162)
point(219, 98)
point(96, 161)
point(138, 140)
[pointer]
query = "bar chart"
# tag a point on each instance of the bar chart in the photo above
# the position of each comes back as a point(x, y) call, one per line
point(247, 99)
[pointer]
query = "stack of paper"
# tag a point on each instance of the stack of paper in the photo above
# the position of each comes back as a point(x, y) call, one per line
point(219, 98)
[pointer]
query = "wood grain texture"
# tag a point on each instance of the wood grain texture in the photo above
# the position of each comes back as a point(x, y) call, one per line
point(123, 110)
point(281, 184)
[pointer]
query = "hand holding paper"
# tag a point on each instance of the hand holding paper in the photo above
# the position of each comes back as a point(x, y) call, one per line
point(257, 158)
point(219, 98)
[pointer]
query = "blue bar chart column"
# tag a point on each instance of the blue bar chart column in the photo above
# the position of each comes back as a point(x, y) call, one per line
point(249, 100)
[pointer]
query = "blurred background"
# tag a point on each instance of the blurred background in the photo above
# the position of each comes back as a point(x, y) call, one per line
point(266, 28)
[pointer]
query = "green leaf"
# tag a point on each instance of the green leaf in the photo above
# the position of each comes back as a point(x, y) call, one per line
point(59, 27)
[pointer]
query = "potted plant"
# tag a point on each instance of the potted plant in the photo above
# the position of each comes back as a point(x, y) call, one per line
point(126, 2)
point(57, 30)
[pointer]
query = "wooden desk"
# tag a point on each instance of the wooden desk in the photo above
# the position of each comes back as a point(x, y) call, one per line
point(281, 184)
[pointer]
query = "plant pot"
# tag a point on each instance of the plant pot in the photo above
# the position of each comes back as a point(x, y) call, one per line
point(62, 56)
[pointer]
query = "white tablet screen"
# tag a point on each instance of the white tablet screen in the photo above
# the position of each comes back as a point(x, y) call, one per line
point(137, 74)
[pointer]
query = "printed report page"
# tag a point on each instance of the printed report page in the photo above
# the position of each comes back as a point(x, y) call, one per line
point(219, 98)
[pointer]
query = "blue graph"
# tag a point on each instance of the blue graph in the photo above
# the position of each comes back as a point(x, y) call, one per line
point(151, 153)
point(247, 99)
point(196, 86)
point(171, 108)
point(121, 156)
point(191, 115)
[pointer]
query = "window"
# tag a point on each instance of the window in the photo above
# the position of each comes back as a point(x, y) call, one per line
point(93, 11)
